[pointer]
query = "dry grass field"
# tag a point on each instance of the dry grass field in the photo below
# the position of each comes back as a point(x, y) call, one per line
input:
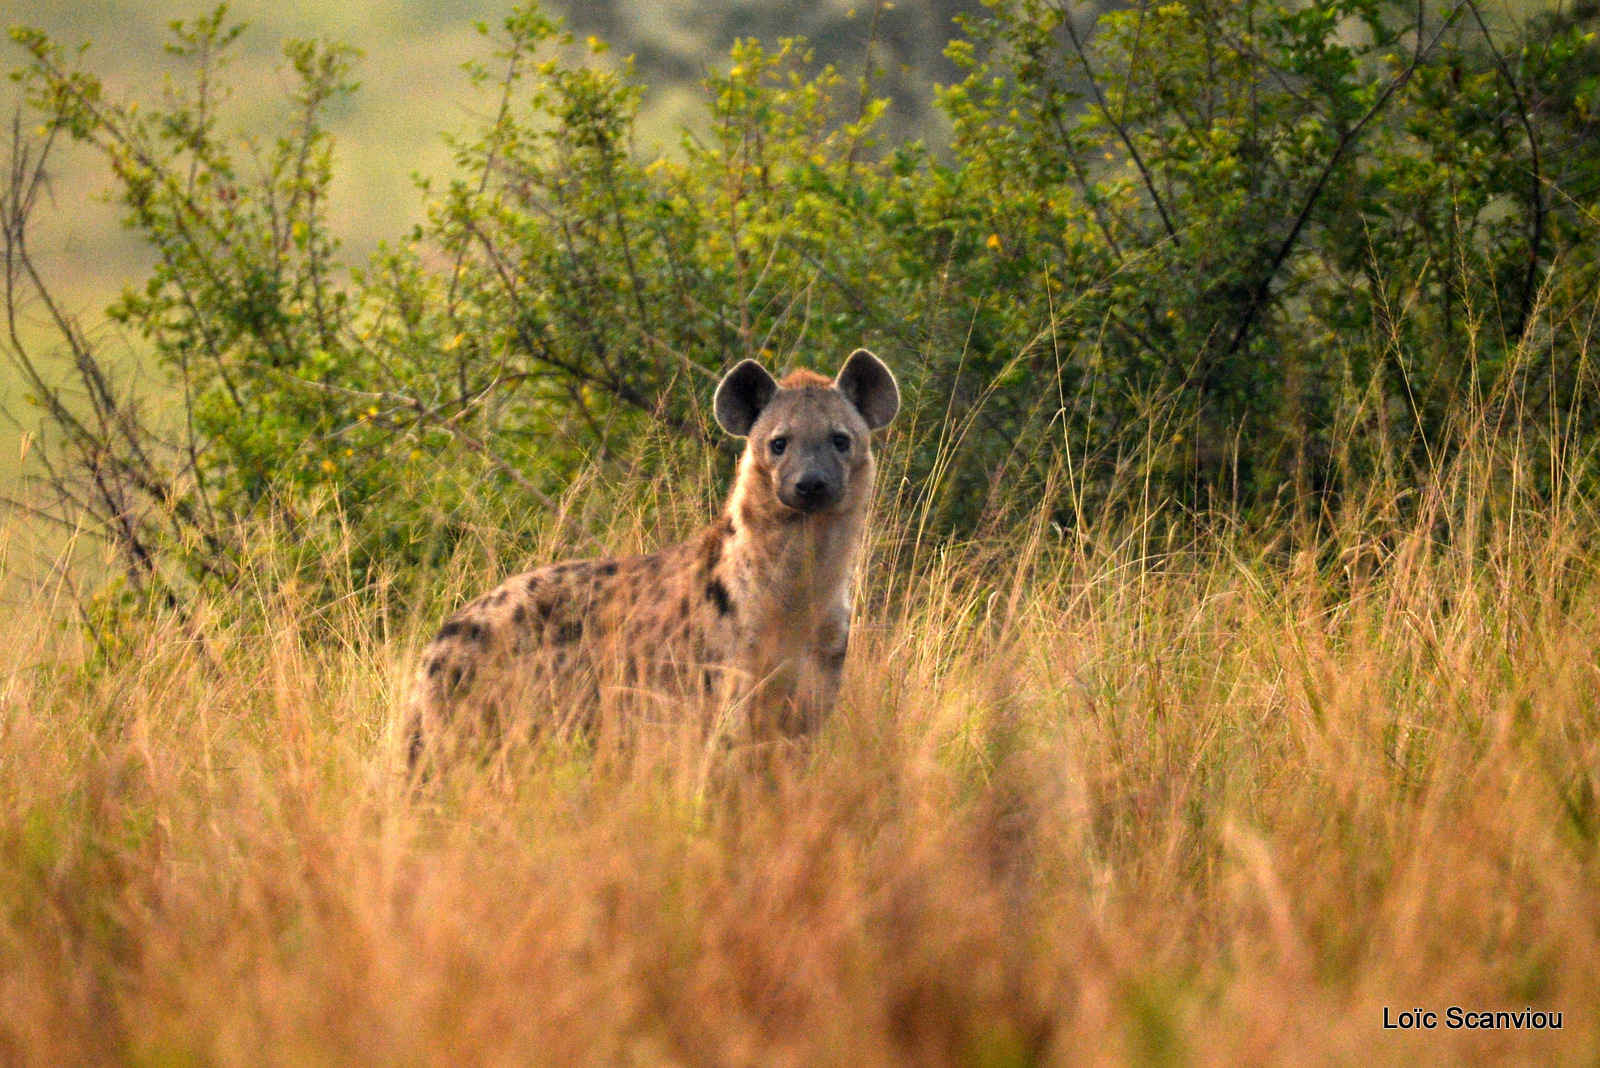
point(1103, 797)
point(1163, 790)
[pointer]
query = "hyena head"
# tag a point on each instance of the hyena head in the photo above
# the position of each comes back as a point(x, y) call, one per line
point(809, 449)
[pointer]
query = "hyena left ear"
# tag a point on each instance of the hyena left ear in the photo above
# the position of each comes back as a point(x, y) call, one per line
point(870, 386)
point(741, 395)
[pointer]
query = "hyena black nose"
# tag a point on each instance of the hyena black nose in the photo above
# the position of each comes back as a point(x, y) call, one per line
point(812, 492)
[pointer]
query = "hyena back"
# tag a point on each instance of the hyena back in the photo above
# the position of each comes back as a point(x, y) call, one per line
point(753, 612)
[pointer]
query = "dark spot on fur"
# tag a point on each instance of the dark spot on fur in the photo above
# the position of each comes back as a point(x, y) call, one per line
point(711, 544)
point(457, 674)
point(717, 594)
point(471, 630)
point(835, 661)
point(683, 608)
point(545, 608)
point(533, 583)
point(499, 597)
point(568, 632)
point(435, 666)
point(520, 616)
point(607, 569)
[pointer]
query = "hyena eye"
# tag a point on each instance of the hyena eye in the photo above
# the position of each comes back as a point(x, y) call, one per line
point(841, 442)
point(777, 445)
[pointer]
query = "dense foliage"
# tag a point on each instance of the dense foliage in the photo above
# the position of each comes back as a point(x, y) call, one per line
point(1241, 253)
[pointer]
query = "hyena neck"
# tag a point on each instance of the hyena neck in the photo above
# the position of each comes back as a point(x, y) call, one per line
point(795, 563)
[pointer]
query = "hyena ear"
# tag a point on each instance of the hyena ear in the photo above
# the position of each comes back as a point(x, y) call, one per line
point(870, 386)
point(741, 395)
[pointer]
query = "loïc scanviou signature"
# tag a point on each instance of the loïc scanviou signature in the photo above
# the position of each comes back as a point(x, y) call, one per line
point(1455, 1018)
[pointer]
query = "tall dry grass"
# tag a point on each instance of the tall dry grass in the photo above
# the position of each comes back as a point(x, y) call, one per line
point(1092, 797)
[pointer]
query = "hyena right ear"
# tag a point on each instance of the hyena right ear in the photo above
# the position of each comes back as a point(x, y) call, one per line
point(741, 396)
point(870, 386)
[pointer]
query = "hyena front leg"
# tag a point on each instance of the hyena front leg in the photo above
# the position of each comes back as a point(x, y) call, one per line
point(809, 685)
point(821, 685)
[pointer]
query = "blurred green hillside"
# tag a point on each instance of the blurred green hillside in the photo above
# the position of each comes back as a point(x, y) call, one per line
point(413, 88)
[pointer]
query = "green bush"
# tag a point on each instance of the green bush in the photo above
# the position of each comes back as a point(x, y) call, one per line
point(1240, 254)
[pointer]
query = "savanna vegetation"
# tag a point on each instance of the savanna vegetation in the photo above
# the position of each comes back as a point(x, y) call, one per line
point(1226, 656)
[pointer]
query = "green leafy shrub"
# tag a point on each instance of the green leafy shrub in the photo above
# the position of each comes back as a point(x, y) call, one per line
point(1238, 253)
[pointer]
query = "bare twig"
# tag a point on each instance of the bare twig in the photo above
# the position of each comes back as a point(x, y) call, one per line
point(1117, 125)
point(1530, 276)
point(1346, 141)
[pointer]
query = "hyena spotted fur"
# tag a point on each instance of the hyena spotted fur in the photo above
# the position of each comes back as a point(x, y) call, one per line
point(754, 612)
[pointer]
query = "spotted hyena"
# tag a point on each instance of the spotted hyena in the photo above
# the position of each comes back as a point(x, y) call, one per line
point(753, 612)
